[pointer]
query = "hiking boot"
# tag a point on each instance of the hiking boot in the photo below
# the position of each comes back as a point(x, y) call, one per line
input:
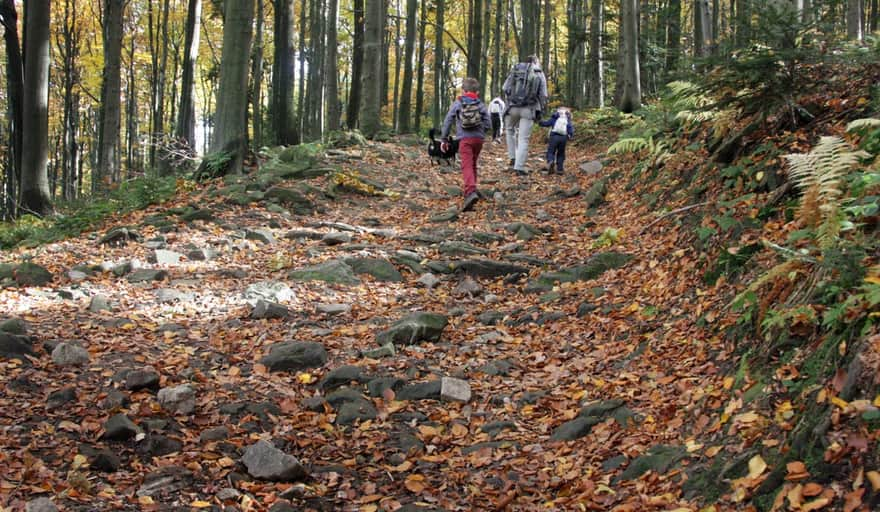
point(470, 201)
point(521, 173)
point(551, 168)
point(510, 164)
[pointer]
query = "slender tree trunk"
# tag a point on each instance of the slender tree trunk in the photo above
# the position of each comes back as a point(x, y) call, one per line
point(35, 195)
point(357, 61)
point(631, 95)
point(303, 17)
point(420, 68)
point(315, 83)
point(370, 120)
point(186, 123)
point(854, 20)
point(15, 86)
point(69, 49)
point(230, 132)
point(158, 127)
point(404, 112)
point(438, 63)
point(531, 17)
point(257, 80)
point(497, 65)
point(284, 106)
point(673, 36)
point(743, 23)
point(110, 92)
point(702, 28)
point(597, 83)
point(547, 39)
point(395, 103)
point(131, 114)
point(331, 76)
point(475, 41)
point(872, 23)
point(484, 47)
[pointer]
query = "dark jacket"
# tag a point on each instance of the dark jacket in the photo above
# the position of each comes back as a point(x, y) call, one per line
point(461, 133)
point(550, 122)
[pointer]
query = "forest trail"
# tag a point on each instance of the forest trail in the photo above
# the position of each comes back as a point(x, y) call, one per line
point(557, 321)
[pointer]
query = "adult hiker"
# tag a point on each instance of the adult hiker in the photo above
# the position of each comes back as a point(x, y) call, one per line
point(496, 110)
point(526, 93)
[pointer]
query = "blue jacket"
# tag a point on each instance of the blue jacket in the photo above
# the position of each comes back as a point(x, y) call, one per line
point(550, 122)
point(461, 133)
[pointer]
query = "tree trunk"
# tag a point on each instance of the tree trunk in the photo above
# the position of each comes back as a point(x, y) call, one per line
point(438, 63)
point(673, 36)
point(597, 83)
point(404, 112)
point(547, 39)
point(576, 61)
point(257, 80)
point(283, 115)
point(484, 47)
point(357, 61)
point(301, 98)
point(420, 68)
point(702, 28)
point(331, 76)
point(158, 127)
point(230, 131)
point(395, 102)
point(531, 18)
point(743, 23)
point(631, 95)
point(132, 115)
point(370, 112)
point(497, 65)
point(186, 123)
point(110, 91)
point(854, 19)
point(15, 86)
point(35, 196)
point(69, 49)
point(475, 39)
point(315, 82)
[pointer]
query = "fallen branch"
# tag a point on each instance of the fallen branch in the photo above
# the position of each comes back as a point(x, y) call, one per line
point(673, 212)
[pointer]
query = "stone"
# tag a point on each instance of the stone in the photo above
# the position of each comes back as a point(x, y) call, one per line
point(413, 328)
point(333, 309)
point(165, 257)
point(203, 254)
point(143, 275)
point(115, 399)
point(70, 354)
point(167, 295)
point(454, 248)
point(266, 462)
point(596, 194)
point(141, 378)
point(227, 493)
point(302, 234)
point(488, 269)
point(14, 326)
point(585, 308)
point(14, 346)
point(60, 398)
point(341, 376)
point(214, 434)
point(119, 428)
point(591, 269)
point(420, 391)
point(455, 390)
point(336, 238)
point(467, 286)
point(99, 303)
point(31, 274)
point(428, 280)
point(203, 214)
point(292, 356)
point(378, 386)
point(499, 367)
point(379, 269)
point(121, 269)
point(158, 445)
point(77, 276)
point(273, 291)
point(659, 459)
point(167, 481)
point(333, 271)
point(155, 244)
point(590, 168)
point(574, 429)
point(105, 460)
point(40, 505)
point(601, 409)
point(350, 413)
point(496, 427)
point(260, 235)
point(386, 350)
point(295, 200)
point(268, 310)
point(491, 317)
point(179, 399)
point(450, 215)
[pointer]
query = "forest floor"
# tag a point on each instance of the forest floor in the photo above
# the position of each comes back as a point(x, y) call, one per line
point(574, 367)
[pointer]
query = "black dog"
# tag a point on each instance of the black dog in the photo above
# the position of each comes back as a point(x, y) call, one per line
point(437, 155)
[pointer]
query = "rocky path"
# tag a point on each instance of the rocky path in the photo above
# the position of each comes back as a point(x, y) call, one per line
point(334, 335)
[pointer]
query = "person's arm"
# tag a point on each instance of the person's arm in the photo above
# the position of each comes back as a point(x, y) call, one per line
point(570, 128)
point(450, 118)
point(543, 95)
point(487, 119)
point(551, 121)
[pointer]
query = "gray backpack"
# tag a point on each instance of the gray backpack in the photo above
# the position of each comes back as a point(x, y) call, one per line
point(525, 85)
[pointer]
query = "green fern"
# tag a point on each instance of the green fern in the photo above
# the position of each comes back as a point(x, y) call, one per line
point(628, 145)
point(858, 124)
point(820, 175)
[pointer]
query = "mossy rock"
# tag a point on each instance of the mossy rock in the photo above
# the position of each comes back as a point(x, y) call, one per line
point(301, 154)
point(14, 326)
point(345, 139)
point(413, 328)
point(333, 271)
point(596, 194)
point(7, 271)
point(593, 268)
point(574, 429)
point(659, 459)
point(293, 199)
point(381, 270)
point(203, 214)
point(31, 274)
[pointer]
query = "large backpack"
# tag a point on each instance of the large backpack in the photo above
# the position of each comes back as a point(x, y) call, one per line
point(470, 115)
point(524, 85)
point(561, 125)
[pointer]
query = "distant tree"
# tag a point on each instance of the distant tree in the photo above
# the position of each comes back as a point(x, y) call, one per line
point(257, 79)
point(596, 76)
point(673, 35)
point(35, 195)
point(438, 62)
point(404, 112)
point(420, 67)
point(475, 37)
point(357, 60)
point(109, 117)
point(854, 20)
point(186, 123)
point(283, 111)
point(15, 91)
point(331, 74)
point(371, 105)
point(631, 94)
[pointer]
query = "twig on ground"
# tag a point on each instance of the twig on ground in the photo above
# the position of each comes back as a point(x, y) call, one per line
point(673, 212)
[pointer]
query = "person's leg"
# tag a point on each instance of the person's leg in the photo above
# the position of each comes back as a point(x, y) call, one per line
point(524, 129)
point(496, 125)
point(511, 123)
point(468, 152)
point(560, 155)
point(551, 150)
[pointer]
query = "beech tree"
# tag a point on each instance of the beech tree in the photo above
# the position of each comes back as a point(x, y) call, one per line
point(371, 82)
point(109, 119)
point(631, 93)
point(35, 195)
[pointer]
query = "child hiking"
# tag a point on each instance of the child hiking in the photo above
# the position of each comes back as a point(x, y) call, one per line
point(561, 131)
point(471, 124)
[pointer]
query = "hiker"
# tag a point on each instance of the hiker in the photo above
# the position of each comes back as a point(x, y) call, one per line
point(561, 131)
point(496, 110)
point(472, 122)
point(526, 93)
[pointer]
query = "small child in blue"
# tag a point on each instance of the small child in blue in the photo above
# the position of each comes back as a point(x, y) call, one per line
point(561, 131)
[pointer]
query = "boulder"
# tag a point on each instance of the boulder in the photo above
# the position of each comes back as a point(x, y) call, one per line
point(70, 354)
point(428, 280)
point(292, 356)
point(273, 291)
point(381, 270)
point(260, 235)
point(333, 271)
point(488, 269)
point(268, 310)
point(15, 346)
point(166, 257)
point(119, 428)
point(143, 275)
point(179, 399)
point(413, 328)
point(266, 462)
point(31, 274)
point(455, 390)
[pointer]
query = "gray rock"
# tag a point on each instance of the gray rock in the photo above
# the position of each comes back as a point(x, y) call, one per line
point(377, 386)
point(266, 310)
point(227, 493)
point(106, 461)
point(333, 309)
point(203, 214)
point(659, 459)
point(455, 390)
point(166, 295)
point(496, 427)
point(40, 505)
point(351, 412)
point(333, 271)
point(14, 326)
point(499, 367)
point(142, 378)
point(293, 356)
point(99, 303)
point(70, 354)
point(119, 428)
point(120, 269)
point(591, 269)
point(467, 286)
point(420, 391)
point(429, 280)
point(381, 270)
point(77, 276)
point(266, 462)
point(488, 269)
point(115, 399)
point(454, 248)
point(414, 328)
point(165, 257)
point(179, 399)
point(302, 234)
point(336, 238)
point(574, 429)
point(491, 298)
point(491, 317)
point(168, 481)
point(341, 376)
point(273, 291)
point(450, 215)
point(214, 434)
point(343, 395)
point(158, 445)
point(260, 235)
point(60, 398)
point(596, 194)
point(592, 167)
point(386, 350)
point(204, 254)
point(143, 275)
point(292, 199)
point(585, 308)
point(155, 244)
point(13, 346)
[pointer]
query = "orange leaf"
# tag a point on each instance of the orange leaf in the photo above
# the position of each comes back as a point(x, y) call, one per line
point(812, 489)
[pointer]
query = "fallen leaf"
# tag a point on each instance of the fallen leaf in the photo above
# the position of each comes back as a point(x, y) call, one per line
point(757, 466)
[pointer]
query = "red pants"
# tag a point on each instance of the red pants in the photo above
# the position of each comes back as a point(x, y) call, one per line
point(469, 150)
